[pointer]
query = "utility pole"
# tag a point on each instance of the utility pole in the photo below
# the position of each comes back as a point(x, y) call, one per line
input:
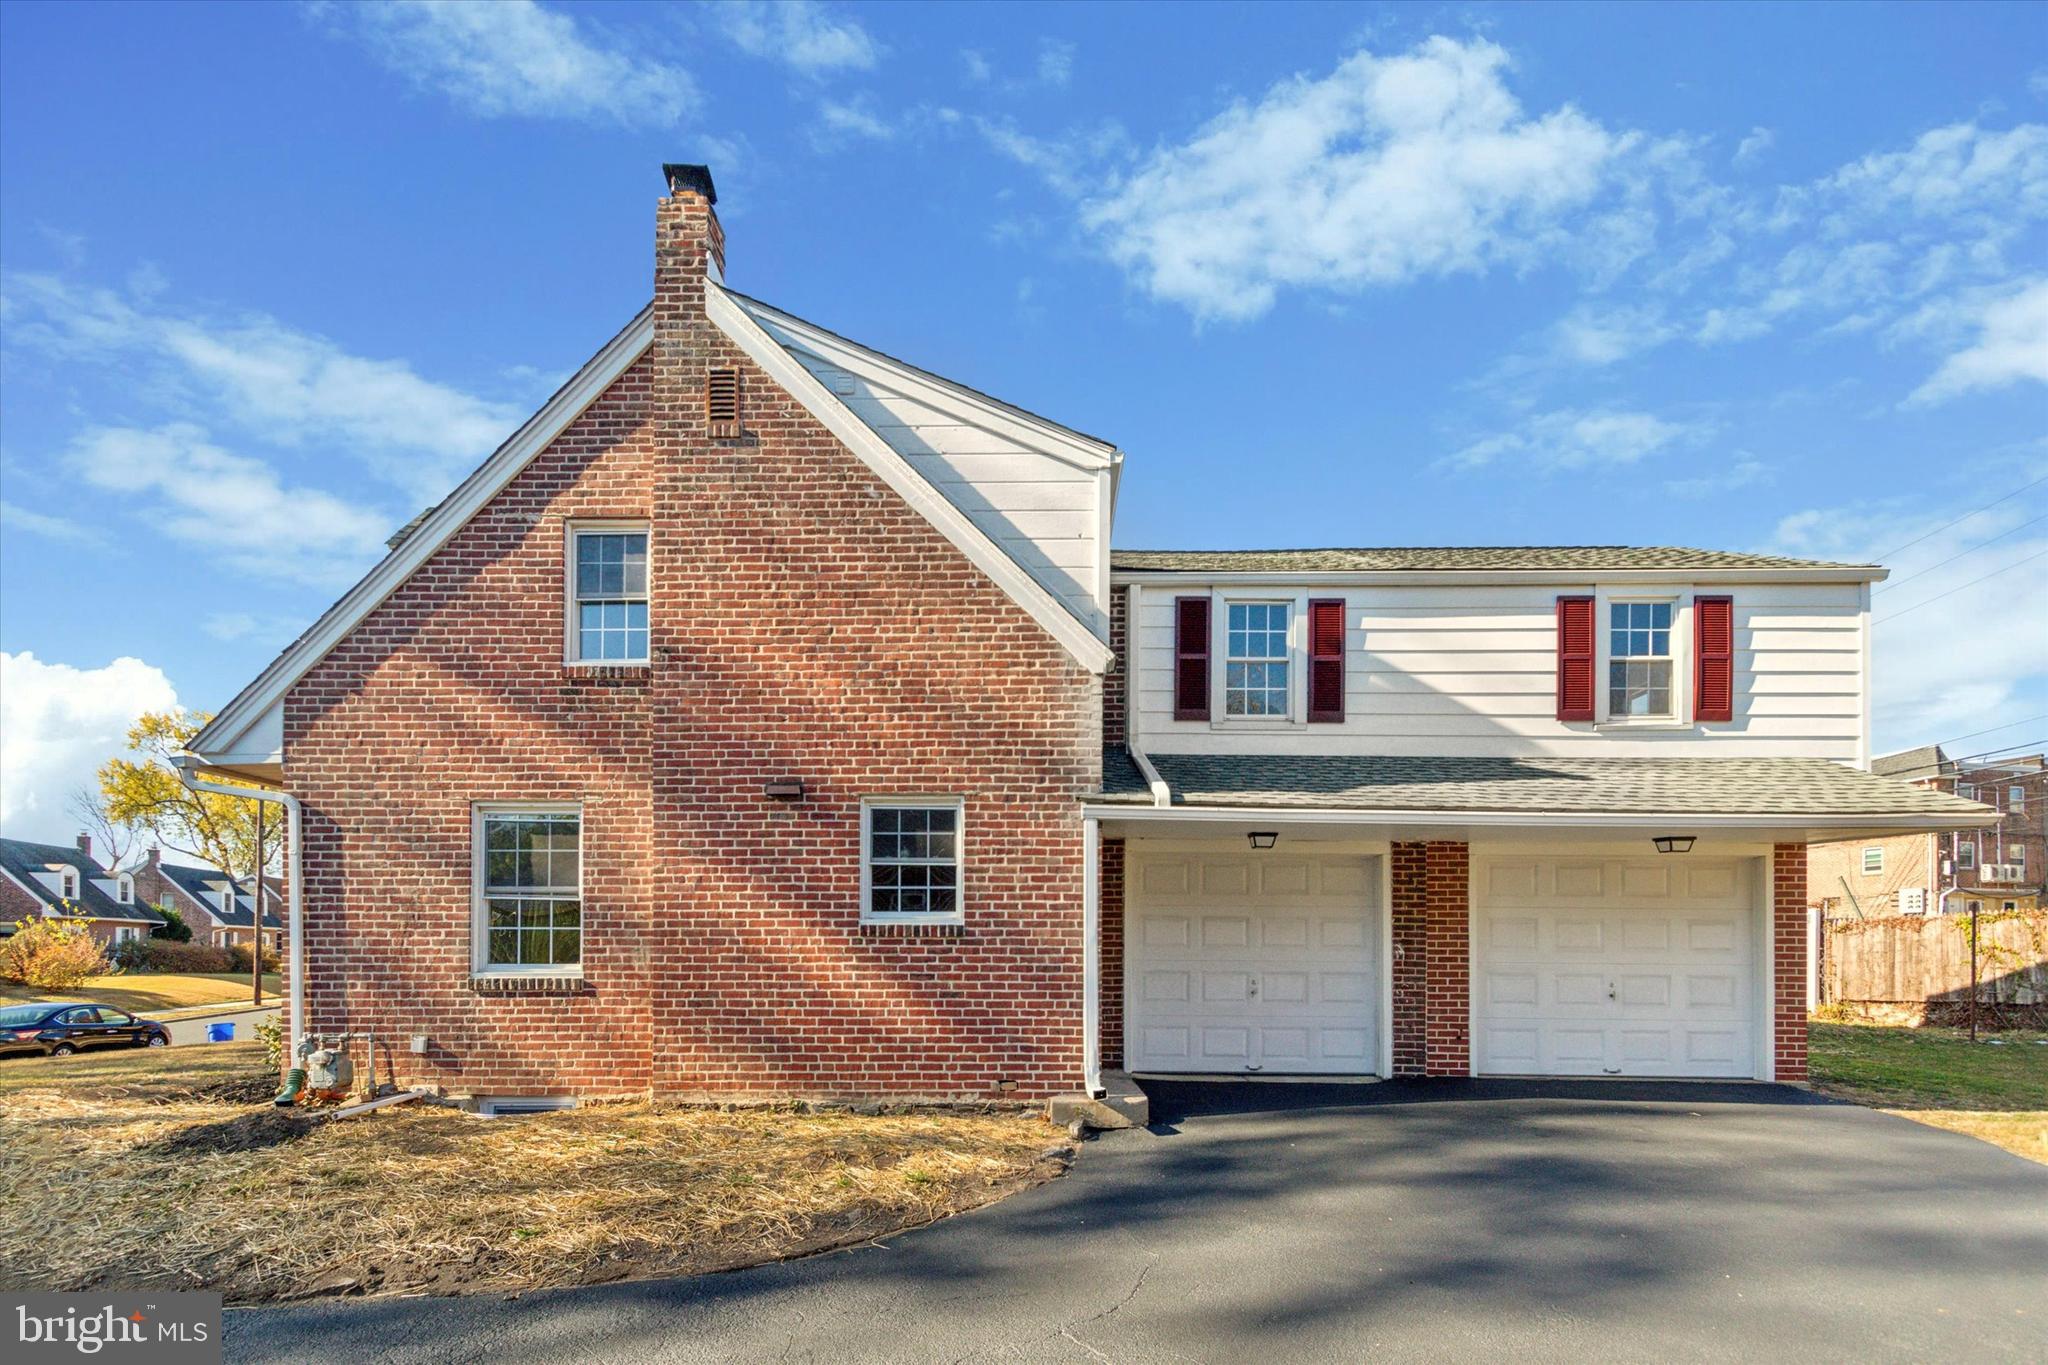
point(256, 919)
point(1973, 971)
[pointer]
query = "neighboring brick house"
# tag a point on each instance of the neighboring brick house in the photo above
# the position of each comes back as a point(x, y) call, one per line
point(217, 908)
point(769, 716)
point(1996, 867)
point(50, 881)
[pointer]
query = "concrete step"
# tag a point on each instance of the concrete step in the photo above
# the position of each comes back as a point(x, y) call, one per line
point(1123, 1105)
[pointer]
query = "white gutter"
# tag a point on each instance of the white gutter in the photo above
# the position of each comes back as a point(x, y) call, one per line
point(295, 973)
point(1162, 795)
point(1091, 958)
point(1534, 819)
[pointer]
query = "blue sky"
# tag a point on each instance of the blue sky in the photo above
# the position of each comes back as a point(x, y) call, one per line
point(1739, 276)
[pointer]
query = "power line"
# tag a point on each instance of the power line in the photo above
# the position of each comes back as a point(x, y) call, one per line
point(1883, 587)
point(2009, 725)
point(1964, 517)
point(2018, 563)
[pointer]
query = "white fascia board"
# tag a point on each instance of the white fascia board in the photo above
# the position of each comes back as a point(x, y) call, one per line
point(1481, 577)
point(41, 893)
point(1088, 649)
point(1866, 825)
point(973, 409)
point(222, 736)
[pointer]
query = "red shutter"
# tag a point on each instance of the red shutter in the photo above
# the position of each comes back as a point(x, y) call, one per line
point(1326, 659)
point(1575, 658)
point(1191, 658)
point(1713, 658)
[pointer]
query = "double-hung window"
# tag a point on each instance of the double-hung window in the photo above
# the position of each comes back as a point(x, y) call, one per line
point(2015, 798)
point(1255, 662)
point(910, 861)
point(608, 594)
point(529, 888)
point(1639, 660)
point(1966, 852)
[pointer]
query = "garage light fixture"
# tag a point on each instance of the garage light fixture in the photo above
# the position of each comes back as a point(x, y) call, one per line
point(1674, 843)
point(1264, 838)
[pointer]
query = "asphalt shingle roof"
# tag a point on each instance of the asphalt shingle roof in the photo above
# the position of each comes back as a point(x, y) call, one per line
point(1536, 786)
point(1926, 761)
point(196, 882)
point(1425, 558)
point(26, 860)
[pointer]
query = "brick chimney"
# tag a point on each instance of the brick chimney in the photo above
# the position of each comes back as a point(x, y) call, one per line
point(85, 843)
point(688, 245)
point(156, 857)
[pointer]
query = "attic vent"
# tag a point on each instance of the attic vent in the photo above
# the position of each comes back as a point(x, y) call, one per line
point(722, 402)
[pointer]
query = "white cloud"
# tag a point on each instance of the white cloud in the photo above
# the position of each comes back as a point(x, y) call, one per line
point(1956, 169)
point(2011, 345)
point(1754, 146)
point(514, 58)
point(1601, 334)
point(799, 33)
point(1055, 62)
point(1069, 163)
point(57, 725)
point(1386, 170)
point(284, 386)
point(1918, 693)
point(976, 65)
point(838, 120)
point(1573, 439)
point(230, 505)
point(31, 522)
point(1742, 472)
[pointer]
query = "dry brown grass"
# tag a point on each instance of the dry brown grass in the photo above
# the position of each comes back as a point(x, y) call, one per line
point(145, 993)
point(421, 1198)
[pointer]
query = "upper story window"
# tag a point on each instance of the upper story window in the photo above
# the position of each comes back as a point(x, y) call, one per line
point(2016, 854)
point(67, 883)
point(1639, 659)
point(910, 861)
point(1255, 660)
point(1873, 861)
point(1966, 852)
point(1966, 790)
point(529, 888)
point(2015, 798)
point(608, 594)
point(124, 889)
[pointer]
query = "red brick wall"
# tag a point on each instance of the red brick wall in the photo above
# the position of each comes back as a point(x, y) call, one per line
point(17, 904)
point(1432, 1004)
point(1110, 909)
point(1788, 959)
point(806, 623)
point(1116, 685)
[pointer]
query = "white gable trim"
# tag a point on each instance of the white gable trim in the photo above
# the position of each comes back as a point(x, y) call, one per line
point(222, 736)
point(1088, 649)
point(1027, 429)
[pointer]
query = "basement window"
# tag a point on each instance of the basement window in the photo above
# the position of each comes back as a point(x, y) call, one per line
point(722, 402)
point(513, 1106)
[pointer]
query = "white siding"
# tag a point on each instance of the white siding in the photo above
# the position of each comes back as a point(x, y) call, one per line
point(1040, 493)
point(1471, 671)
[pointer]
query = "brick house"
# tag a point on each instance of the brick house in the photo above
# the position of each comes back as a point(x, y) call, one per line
point(217, 908)
point(768, 716)
point(1996, 867)
point(50, 881)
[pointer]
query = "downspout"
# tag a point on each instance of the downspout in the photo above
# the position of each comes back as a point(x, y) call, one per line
point(1091, 957)
point(295, 1019)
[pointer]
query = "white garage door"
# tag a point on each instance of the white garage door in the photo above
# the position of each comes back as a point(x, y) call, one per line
point(1260, 963)
point(1615, 967)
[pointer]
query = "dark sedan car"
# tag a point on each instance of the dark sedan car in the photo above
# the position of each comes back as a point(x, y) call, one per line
point(62, 1028)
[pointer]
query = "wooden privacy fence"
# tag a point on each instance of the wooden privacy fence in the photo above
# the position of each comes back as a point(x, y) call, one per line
point(1925, 959)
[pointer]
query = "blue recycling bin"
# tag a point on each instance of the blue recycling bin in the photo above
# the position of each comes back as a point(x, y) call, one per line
point(221, 1033)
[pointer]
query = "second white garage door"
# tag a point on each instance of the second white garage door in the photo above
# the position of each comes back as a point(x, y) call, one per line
point(1615, 967)
point(1260, 963)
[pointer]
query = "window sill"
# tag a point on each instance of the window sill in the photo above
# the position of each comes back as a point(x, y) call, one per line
point(913, 929)
point(1254, 723)
point(605, 675)
point(527, 983)
point(1654, 724)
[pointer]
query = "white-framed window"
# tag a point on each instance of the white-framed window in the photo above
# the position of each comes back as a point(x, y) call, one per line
point(124, 933)
point(911, 856)
point(2015, 798)
point(2011, 906)
point(1966, 853)
point(1257, 660)
point(1873, 861)
point(1967, 790)
point(2017, 856)
point(528, 883)
point(607, 583)
point(124, 889)
point(1642, 680)
point(1974, 906)
point(220, 938)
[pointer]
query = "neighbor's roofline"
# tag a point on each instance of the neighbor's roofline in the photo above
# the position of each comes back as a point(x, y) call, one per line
point(1375, 577)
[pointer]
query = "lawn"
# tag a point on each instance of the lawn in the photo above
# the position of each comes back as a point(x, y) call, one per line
point(142, 994)
point(1997, 1091)
point(166, 1170)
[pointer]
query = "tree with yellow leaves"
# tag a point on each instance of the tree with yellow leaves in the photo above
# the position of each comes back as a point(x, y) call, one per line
point(143, 793)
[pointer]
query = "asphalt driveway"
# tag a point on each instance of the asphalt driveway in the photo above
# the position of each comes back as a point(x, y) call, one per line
point(1523, 1220)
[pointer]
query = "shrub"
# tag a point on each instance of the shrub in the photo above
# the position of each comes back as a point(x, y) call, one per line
point(173, 929)
point(162, 955)
point(50, 954)
point(271, 1034)
point(239, 953)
